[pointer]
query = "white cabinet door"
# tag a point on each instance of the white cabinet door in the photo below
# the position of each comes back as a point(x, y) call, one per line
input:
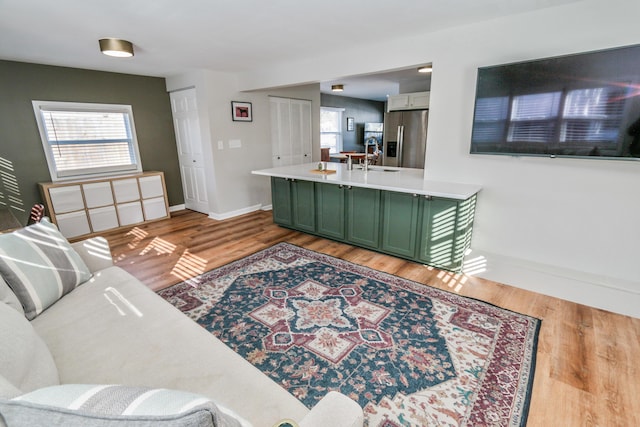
point(419, 100)
point(66, 199)
point(151, 186)
point(186, 123)
point(154, 208)
point(125, 190)
point(291, 137)
point(130, 213)
point(73, 224)
point(398, 102)
point(409, 101)
point(301, 130)
point(97, 194)
point(280, 131)
point(104, 218)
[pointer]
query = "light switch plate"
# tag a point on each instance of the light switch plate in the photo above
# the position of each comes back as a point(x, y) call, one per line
point(235, 143)
point(220, 144)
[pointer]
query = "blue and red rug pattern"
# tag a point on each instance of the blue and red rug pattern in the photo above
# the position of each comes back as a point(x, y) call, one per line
point(409, 354)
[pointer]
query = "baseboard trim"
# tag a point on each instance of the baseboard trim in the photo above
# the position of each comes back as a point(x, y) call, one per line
point(177, 208)
point(608, 293)
point(231, 214)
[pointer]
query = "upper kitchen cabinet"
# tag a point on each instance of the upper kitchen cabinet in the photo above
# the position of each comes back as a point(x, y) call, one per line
point(290, 131)
point(408, 101)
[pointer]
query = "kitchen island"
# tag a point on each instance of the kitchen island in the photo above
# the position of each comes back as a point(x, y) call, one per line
point(389, 210)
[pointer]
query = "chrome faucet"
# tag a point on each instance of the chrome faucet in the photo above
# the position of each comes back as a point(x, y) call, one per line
point(370, 141)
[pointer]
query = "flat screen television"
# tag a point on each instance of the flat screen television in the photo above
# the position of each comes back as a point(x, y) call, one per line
point(584, 105)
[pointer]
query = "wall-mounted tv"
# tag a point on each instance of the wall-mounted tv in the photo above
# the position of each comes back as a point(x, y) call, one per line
point(584, 105)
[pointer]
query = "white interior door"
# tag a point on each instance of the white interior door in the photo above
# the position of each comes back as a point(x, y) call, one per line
point(190, 156)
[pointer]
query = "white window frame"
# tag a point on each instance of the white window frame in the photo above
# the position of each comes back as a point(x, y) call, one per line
point(339, 137)
point(91, 172)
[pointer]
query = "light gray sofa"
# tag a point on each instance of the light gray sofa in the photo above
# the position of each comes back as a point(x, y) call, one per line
point(112, 329)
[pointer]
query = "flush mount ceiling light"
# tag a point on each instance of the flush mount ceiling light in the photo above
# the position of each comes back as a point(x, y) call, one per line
point(116, 47)
point(337, 88)
point(425, 69)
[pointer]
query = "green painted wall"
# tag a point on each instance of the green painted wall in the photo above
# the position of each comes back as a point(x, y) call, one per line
point(22, 160)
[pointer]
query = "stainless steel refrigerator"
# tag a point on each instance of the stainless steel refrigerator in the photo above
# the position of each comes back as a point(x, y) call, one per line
point(405, 138)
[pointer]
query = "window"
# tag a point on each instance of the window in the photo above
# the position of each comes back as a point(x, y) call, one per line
point(87, 140)
point(331, 129)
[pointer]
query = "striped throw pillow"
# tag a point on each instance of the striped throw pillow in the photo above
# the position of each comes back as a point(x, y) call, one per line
point(116, 405)
point(40, 266)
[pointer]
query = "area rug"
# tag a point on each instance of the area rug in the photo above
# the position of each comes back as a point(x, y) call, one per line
point(409, 354)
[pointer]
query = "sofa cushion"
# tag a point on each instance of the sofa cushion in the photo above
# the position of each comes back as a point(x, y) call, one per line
point(25, 361)
point(40, 266)
point(115, 330)
point(8, 297)
point(113, 405)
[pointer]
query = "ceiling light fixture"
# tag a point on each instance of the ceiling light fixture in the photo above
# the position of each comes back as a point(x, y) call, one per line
point(425, 69)
point(337, 88)
point(116, 47)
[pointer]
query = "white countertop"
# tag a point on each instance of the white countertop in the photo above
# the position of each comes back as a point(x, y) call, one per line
point(404, 180)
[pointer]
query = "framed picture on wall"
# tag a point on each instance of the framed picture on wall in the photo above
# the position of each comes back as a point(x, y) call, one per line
point(241, 111)
point(350, 124)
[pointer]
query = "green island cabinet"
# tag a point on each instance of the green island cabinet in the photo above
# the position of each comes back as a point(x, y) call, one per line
point(432, 230)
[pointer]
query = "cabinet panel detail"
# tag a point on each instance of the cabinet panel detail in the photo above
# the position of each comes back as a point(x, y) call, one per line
point(363, 216)
point(281, 201)
point(439, 222)
point(97, 194)
point(66, 199)
point(151, 186)
point(330, 220)
point(130, 213)
point(399, 223)
point(304, 215)
point(125, 190)
point(73, 224)
point(104, 218)
point(154, 208)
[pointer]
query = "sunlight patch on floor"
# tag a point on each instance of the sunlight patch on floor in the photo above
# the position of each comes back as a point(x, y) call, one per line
point(473, 266)
point(188, 267)
point(138, 235)
point(160, 246)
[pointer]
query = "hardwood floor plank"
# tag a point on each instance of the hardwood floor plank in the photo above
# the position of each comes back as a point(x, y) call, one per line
point(587, 370)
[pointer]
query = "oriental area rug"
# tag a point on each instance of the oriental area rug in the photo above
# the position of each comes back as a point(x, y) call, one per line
point(409, 354)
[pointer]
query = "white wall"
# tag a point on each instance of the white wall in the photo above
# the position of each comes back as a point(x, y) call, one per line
point(232, 190)
point(568, 217)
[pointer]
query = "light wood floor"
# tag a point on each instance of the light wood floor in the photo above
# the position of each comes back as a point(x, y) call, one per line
point(588, 362)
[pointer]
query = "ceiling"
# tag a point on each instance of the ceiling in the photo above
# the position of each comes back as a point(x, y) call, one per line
point(378, 86)
point(171, 37)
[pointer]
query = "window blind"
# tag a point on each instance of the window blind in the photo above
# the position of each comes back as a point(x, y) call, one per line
point(80, 139)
